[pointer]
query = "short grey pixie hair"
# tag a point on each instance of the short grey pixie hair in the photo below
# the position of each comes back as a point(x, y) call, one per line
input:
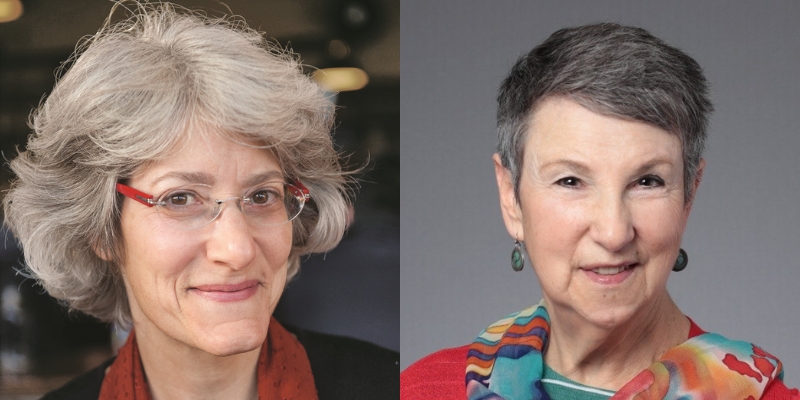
point(135, 91)
point(613, 70)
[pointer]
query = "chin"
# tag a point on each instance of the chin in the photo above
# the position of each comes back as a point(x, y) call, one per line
point(611, 317)
point(607, 320)
point(232, 339)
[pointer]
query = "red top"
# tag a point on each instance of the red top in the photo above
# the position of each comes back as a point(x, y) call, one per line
point(283, 370)
point(441, 376)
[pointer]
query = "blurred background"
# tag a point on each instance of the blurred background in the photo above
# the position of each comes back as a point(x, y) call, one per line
point(352, 291)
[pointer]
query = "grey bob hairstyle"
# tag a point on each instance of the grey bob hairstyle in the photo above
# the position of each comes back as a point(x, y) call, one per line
point(613, 70)
point(134, 92)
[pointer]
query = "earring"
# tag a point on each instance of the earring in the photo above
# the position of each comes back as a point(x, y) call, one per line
point(517, 258)
point(680, 263)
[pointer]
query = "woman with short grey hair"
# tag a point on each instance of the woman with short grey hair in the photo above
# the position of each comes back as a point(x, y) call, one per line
point(176, 174)
point(601, 130)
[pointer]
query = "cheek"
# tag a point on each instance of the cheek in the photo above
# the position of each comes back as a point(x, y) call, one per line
point(552, 226)
point(160, 250)
point(552, 233)
point(276, 245)
point(659, 224)
point(659, 228)
point(276, 249)
point(155, 258)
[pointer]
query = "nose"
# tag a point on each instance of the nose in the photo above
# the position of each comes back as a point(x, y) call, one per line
point(612, 223)
point(231, 241)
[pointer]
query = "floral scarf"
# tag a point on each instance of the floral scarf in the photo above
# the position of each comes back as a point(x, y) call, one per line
point(505, 363)
point(283, 370)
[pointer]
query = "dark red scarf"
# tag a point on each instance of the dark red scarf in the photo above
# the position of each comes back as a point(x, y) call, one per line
point(283, 370)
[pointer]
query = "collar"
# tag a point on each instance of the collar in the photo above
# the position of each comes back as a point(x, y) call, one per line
point(283, 369)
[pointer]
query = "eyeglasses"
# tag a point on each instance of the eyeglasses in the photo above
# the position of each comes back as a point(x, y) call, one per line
point(191, 206)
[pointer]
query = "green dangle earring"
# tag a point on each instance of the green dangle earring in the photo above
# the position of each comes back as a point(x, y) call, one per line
point(681, 261)
point(517, 257)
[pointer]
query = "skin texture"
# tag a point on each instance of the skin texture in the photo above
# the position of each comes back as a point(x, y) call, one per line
point(598, 191)
point(193, 345)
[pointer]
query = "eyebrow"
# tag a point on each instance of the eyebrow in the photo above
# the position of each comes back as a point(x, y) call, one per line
point(264, 177)
point(655, 163)
point(191, 177)
point(583, 169)
point(204, 178)
point(579, 167)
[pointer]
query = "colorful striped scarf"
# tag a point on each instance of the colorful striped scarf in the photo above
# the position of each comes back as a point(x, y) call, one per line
point(505, 363)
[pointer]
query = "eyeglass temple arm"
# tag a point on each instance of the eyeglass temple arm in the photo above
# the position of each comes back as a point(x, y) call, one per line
point(141, 197)
point(303, 189)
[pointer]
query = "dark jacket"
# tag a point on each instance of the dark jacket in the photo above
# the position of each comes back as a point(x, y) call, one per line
point(343, 368)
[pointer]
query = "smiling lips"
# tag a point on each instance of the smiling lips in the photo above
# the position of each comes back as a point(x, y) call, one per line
point(609, 275)
point(227, 293)
point(611, 270)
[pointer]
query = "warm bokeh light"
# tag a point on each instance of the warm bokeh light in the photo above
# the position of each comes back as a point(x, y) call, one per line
point(10, 10)
point(341, 79)
point(338, 49)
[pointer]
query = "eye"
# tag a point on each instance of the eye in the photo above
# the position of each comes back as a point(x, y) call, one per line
point(569, 181)
point(265, 196)
point(180, 199)
point(650, 181)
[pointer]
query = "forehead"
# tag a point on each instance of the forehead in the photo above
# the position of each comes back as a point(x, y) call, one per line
point(218, 157)
point(561, 127)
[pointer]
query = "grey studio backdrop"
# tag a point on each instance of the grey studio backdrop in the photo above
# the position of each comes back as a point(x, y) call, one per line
point(743, 238)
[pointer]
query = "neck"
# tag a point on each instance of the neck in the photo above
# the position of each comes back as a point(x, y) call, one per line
point(609, 357)
point(175, 370)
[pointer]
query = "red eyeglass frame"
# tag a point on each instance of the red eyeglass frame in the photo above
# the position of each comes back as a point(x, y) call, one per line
point(147, 199)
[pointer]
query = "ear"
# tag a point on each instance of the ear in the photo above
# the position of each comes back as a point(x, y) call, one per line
point(698, 176)
point(512, 214)
point(101, 252)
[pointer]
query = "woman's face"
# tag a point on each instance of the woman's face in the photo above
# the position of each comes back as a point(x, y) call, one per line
point(601, 211)
point(213, 288)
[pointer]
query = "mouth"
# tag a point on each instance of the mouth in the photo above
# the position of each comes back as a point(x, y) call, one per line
point(609, 274)
point(612, 270)
point(226, 292)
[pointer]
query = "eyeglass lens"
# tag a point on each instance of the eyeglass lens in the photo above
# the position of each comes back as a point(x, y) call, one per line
point(190, 208)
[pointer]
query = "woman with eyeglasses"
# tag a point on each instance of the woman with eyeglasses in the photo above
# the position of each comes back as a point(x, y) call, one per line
point(176, 174)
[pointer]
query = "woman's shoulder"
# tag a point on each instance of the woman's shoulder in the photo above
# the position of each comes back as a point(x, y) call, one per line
point(778, 391)
point(86, 386)
point(343, 368)
point(350, 368)
point(441, 375)
point(438, 375)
